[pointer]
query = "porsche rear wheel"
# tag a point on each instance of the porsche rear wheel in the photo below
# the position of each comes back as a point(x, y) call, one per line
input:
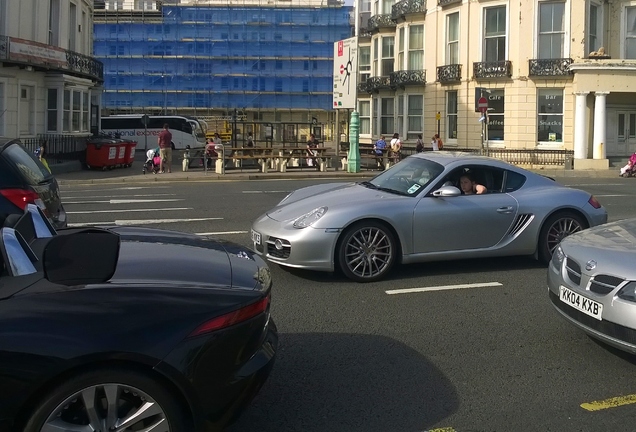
point(367, 251)
point(556, 228)
point(108, 400)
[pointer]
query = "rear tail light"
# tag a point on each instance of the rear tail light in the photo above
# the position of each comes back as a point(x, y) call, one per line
point(594, 202)
point(22, 197)
point(232, 318)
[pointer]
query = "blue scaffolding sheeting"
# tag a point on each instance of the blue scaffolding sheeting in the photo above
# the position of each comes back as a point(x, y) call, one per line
point(217, 57)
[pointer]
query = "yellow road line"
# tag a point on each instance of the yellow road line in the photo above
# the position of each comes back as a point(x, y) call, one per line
point(609, 403)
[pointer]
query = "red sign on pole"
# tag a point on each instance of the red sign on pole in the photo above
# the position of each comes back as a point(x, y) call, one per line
point(482, 104)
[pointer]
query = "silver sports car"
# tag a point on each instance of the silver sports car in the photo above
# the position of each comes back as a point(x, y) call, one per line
point(592, 282)
point(415, 211)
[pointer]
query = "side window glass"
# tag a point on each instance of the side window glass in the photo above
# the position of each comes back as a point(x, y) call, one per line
point(514, 181)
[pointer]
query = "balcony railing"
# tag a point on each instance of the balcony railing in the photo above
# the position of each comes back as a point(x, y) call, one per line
point(447, 2)
point(408, 77)
point(498, 69)
point(550, 67)
point(38, 55)
point(449, 73)
point(375, 84)
point(406, 7)
point(377, 22)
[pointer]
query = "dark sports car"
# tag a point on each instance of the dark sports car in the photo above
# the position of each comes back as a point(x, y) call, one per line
point(128, 329)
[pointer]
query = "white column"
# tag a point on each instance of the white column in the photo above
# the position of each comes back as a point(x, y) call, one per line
point(580, 126)
point(599, 125)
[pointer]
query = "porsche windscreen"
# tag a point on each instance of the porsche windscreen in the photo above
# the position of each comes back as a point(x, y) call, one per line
point(408, 177)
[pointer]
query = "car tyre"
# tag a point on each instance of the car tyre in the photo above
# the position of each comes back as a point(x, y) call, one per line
point(557, 227)
point(68, 405)
point(367, 251)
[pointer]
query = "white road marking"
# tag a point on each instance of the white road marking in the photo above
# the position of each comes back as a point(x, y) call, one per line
point(614, 195)
point(443, 288)
point(128, 210)
point(70, 189)
point(128, 222)
point(259, 192)
point(83, 196)
point(221, 233)
point(125, 201)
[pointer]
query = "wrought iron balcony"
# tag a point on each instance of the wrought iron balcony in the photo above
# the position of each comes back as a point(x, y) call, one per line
point(405, 7)
point(447, 2)
point(498, 69)
point(375, 84)
point(408, 77)
point(377, 22)
point(449, 73)
point(48, 57)
point(550, 67)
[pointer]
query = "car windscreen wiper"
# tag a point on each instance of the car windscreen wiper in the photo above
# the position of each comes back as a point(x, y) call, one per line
point(368, 184)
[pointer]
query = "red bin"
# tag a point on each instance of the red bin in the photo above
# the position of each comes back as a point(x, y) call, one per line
point(102, 153)
point(130, 153)
point(121, 153)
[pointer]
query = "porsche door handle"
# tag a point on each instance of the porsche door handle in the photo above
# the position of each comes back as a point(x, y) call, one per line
point(505, 210)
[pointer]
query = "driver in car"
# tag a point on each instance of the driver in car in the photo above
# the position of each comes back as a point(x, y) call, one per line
point(469, 186)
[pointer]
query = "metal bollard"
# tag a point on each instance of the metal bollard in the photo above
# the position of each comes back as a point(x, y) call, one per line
point(220, 161)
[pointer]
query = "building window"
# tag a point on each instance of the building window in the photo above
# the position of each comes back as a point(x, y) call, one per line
point(365, 6)
point(400, 59)
point(388, 55)
point(550, 121)
point(415, 112)
point(387, 120)
point(374, 109)
point(364, 63)
point(416, 48)
point(85, 115)
point(451, 115)
point(114, 4)
point(551, 30)
point(76, 111)
point(387, 5)
point(452, 38)
point(145, 4)
point(595, 27)
point(376, 55)
point(496, 115)
point(495, 34)
point(630, 32)
point(278, 85)
point(279, 64)
point(27, 110)
point(400, 115)
point(364, 108)
point(51, 110)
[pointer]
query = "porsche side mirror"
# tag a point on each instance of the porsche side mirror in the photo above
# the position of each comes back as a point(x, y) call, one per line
point(447, 191)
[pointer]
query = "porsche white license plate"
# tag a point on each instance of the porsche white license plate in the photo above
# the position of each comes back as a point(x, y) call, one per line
point(256, 237)
point(584, 304)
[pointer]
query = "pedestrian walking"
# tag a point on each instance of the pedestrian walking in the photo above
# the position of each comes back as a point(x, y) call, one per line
point(41, 154)
point(419, 144)
point(379, 148)
point(396, 147)
point(165, 146)
point(436, 143)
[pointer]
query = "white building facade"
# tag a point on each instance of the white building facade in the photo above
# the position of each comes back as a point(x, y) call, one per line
point(557, 74)
point(49, 82)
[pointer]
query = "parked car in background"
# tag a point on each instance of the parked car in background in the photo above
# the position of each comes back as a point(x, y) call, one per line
point(24, 180)
point(592, 282)
point(128, 329)
point(415, 211)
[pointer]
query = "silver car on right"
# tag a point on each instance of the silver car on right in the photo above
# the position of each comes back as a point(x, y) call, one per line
point(592, 282)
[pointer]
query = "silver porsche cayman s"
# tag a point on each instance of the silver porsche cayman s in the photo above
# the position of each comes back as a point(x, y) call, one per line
point(415, 211)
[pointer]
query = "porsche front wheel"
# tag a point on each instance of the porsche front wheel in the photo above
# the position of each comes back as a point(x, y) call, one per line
point(367, 251)
point(108, 400)
point(556, 228)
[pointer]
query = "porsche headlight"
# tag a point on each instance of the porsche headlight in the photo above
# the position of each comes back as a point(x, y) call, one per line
point(308, 219)
point(628, 292)
point(557, 257)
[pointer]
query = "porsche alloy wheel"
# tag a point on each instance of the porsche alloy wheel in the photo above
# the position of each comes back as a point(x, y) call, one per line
point(556, 228)
point(108, 402)
point(367, 251)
